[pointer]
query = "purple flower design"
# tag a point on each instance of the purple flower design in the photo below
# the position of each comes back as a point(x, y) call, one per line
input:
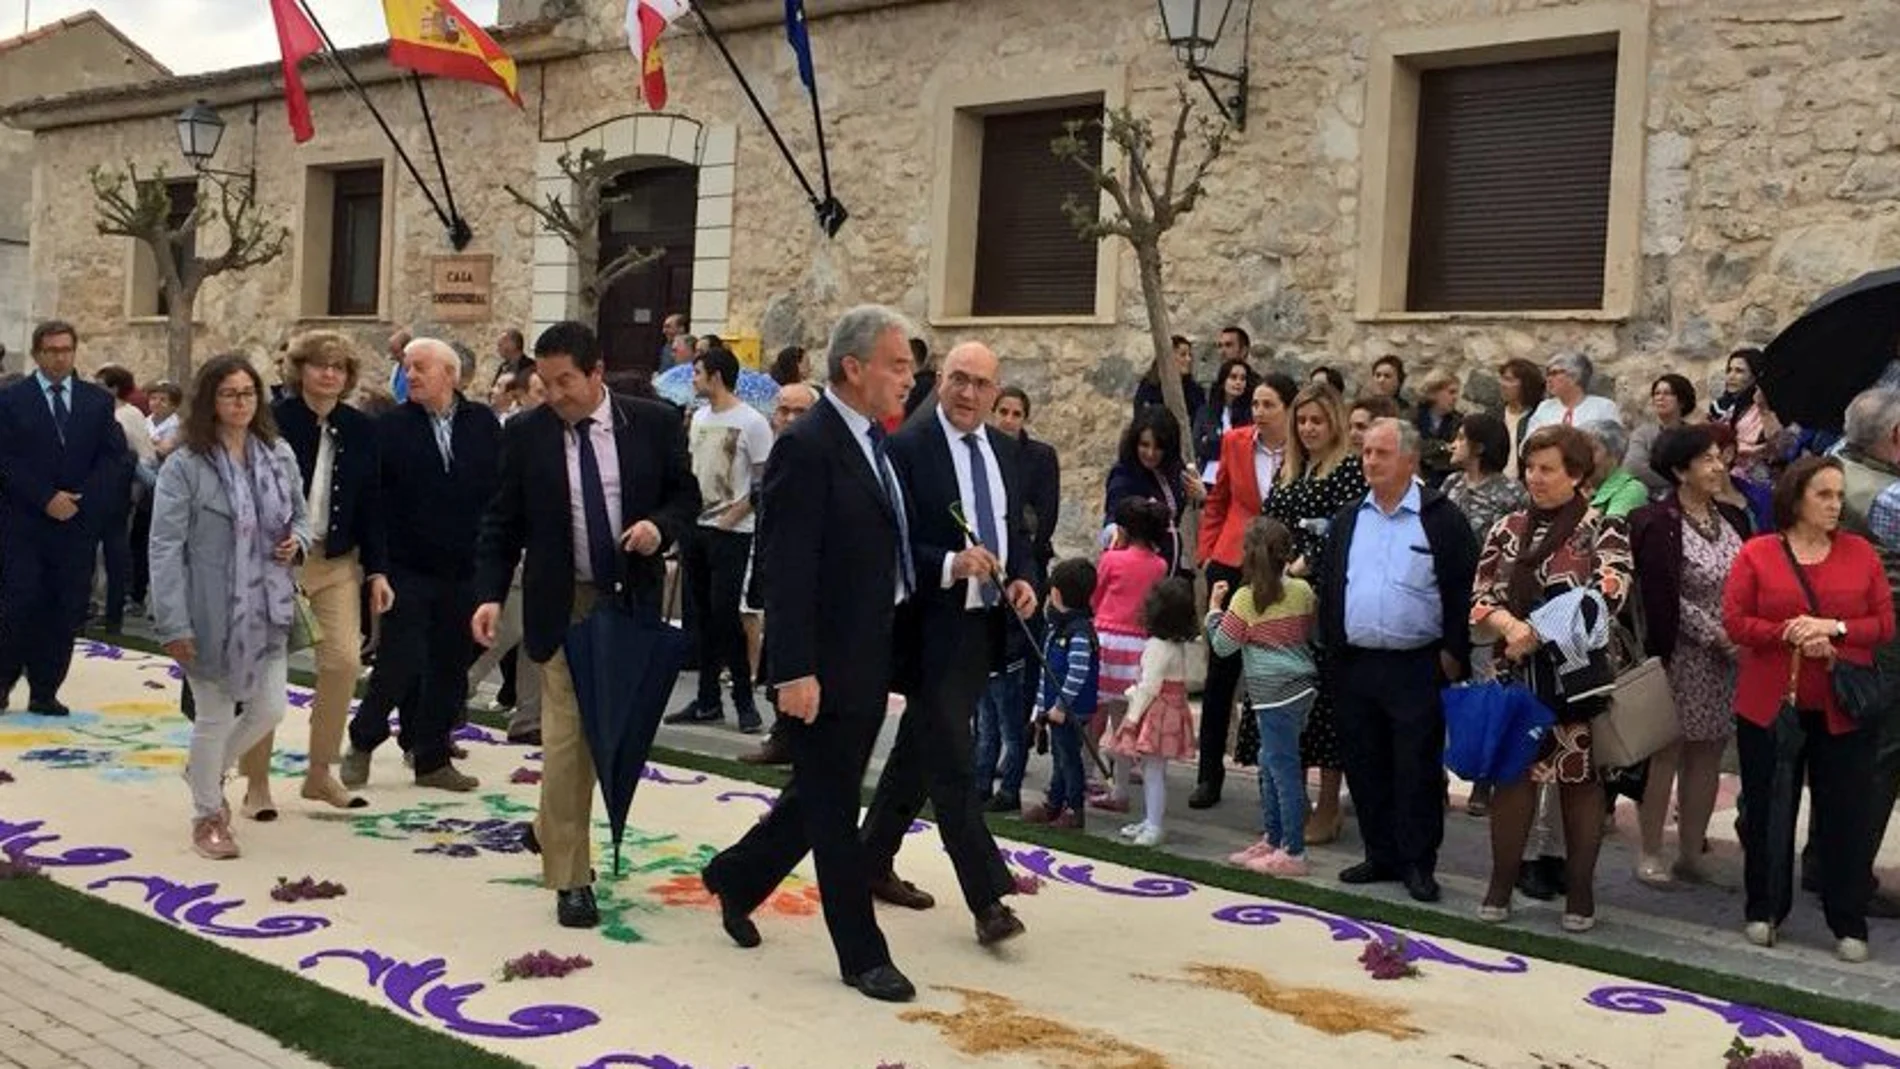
point(1848, 1052)
point(193, 906)
point(19, 840)
point(1047, 866)
point(402, 984)
point(1346, 929)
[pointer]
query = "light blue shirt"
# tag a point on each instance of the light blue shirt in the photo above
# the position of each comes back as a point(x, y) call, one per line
point(46, 389)
point(860, 427)
point(1392, 598)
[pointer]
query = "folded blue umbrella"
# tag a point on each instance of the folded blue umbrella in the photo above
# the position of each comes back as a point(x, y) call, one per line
point(1493, 730)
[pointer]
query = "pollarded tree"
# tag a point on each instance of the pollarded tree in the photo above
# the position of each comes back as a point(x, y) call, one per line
point(576, 221)
point(137, 207)
point(1151, 192)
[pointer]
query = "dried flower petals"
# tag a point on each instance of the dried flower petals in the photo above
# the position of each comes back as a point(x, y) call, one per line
point(525, 775)
point(17, 870)
point(305, 889)
point(1742, 1056)
point(1387, 961)
point(542, 964)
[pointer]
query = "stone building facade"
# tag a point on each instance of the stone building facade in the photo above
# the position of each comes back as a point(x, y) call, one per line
point(1750, 162)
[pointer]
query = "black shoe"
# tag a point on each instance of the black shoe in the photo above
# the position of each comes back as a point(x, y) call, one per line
point(883, 983)
point(529, 840)
point(575, 908)
point(1004, 803)
point(739, 927)
point(1541, 878)
point(773, 751)
point(530, 737)
point(696, 713)
point(1205, 796)
point(1421, 885)
point(996, 923)
point(1367, 872)
point(749, 721)
point(47, 707)
point(505, 698)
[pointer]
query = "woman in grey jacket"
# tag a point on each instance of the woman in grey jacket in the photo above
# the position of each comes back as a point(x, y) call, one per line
point(228, 527)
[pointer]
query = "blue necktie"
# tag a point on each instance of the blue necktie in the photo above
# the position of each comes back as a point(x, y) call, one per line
point(61, 414)
point(601, 556)
point(985, 510)
point(906, 571)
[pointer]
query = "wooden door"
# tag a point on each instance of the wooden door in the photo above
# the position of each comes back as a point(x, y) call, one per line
point(648, 208)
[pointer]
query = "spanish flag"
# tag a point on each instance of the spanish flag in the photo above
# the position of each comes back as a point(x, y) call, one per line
point(434, 37)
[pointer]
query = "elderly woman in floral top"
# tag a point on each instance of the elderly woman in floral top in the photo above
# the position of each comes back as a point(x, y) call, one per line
point(1557, 545)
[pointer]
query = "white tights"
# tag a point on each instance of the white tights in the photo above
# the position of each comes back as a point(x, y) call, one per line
point(1154, 790)
point(219, 736)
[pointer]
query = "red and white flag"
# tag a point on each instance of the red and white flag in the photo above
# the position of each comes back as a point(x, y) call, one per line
point(298, 40)
point(646, 21)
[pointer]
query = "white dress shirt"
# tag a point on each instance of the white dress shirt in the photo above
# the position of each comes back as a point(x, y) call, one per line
point(966, 491)
point(860, 427)
point(601, 433)
point(318, 505)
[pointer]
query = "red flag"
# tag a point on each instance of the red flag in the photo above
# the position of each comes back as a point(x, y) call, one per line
point(646, 21)
point(298, 40)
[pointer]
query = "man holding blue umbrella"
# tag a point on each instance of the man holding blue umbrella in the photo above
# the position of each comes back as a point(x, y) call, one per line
point(593, 490)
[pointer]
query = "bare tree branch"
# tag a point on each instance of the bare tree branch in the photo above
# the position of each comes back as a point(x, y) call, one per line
point(575, 219)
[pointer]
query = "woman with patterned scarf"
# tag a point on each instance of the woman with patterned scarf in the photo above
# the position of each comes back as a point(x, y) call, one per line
point(228, 527)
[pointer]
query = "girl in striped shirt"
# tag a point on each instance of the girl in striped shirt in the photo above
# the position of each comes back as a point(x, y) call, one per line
point(1271, 623)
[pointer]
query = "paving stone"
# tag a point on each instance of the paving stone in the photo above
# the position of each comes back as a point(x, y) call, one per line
point(104, 1058)
point(65, 1039)
point(33, 1055)
point(198, 1043)
point(154, 1023)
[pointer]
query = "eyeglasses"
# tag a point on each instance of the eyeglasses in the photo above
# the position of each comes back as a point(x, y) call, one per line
point(958, 380)
point(237, 395)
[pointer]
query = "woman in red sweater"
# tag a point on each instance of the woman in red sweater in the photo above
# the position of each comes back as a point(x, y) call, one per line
point(1768, 615)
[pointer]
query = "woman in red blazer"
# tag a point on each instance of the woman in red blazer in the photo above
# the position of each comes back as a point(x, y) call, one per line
point(1769, 616)
point(1250, 459)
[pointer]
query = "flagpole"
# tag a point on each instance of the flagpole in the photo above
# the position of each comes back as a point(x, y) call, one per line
point(390, 135)
point(823, 208)
point(459, 232)
point(830, 209)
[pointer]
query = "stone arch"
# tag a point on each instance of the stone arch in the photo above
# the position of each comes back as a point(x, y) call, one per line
point(710, 148)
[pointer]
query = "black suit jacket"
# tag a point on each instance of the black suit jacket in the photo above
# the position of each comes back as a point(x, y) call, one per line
point(431, 515)
point(93, 462)
point(531, 513)
point(827, 546)
point(921, 452)
point(356, 512)
point(1042, 500)
point(1454, 564)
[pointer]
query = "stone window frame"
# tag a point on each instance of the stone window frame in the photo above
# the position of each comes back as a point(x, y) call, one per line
point(958, 136)
point(711, 148)
point(310, 262)
point(1390, 159)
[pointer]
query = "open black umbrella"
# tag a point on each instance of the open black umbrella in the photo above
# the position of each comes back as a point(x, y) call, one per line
point(624, 661)
point(1838, 347)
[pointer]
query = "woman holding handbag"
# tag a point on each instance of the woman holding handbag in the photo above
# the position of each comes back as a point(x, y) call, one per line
point(1807, 607)
point(228, 528)
point(1553, 551)
point(1685, 546)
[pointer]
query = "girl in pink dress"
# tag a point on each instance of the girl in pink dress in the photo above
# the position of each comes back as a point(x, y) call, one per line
point(1158, 725)
point(1128, 570)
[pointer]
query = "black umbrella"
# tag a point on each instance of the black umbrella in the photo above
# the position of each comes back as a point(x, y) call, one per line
point(624, 661)
point(1838, 348)
point(1784, 790)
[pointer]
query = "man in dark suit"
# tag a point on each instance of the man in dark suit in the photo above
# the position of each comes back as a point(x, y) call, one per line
point(836, 559)
point(624, 460)
point(439, 456)
point(61, 453)
point(951, 634)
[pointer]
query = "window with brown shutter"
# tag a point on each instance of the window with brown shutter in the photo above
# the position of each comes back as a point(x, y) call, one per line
point(1510, 208)
point(1029, 259)
point(356, 241)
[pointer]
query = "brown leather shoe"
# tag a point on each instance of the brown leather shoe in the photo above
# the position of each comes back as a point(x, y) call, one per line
point(997, 923)
point(773, 751)
point(888, 888)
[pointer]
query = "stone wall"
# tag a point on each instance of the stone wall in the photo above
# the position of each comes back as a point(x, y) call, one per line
point(1770, 174)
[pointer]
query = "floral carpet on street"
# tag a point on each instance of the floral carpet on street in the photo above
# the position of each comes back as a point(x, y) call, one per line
point(1120, 969)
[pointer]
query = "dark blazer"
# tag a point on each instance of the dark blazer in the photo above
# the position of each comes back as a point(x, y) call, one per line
point(1042, 500)
point(356, 511)
point(1454, 562)
point(1207, 428)
point(1148, 392)
point(827, 543)
point(430, 515)
point(1656, 546)
point(93, 462)
point(532, 513)
point(921, 454)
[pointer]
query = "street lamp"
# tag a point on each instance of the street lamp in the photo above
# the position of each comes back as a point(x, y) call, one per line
point(1194, 28)
point(200, 131)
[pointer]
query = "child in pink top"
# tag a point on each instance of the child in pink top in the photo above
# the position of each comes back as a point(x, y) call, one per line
point(1128, 570)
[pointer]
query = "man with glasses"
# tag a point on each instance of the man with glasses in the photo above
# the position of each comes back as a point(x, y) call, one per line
point(61, 450)
point(975, 562)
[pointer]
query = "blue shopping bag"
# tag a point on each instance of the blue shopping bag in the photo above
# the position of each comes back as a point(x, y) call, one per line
point(1493, 730)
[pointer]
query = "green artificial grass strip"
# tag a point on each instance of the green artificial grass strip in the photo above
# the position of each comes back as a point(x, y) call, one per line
point(329, 1026)
point(1581, 953)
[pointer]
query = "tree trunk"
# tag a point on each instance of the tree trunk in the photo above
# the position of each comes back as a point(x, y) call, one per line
point(179, 304)
point(1148, 256)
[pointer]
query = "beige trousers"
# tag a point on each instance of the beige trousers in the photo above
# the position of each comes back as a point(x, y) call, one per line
point(334, 586)
point(564, 824)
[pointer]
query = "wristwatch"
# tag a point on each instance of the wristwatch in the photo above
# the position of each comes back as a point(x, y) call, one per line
point(1840, 629)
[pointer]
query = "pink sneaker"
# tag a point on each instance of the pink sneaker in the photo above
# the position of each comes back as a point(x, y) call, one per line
point(1288, 866)
point(1108, 803)
point(1258, 848)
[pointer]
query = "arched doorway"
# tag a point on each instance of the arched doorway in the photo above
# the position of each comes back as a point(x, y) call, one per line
point(648, 207)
